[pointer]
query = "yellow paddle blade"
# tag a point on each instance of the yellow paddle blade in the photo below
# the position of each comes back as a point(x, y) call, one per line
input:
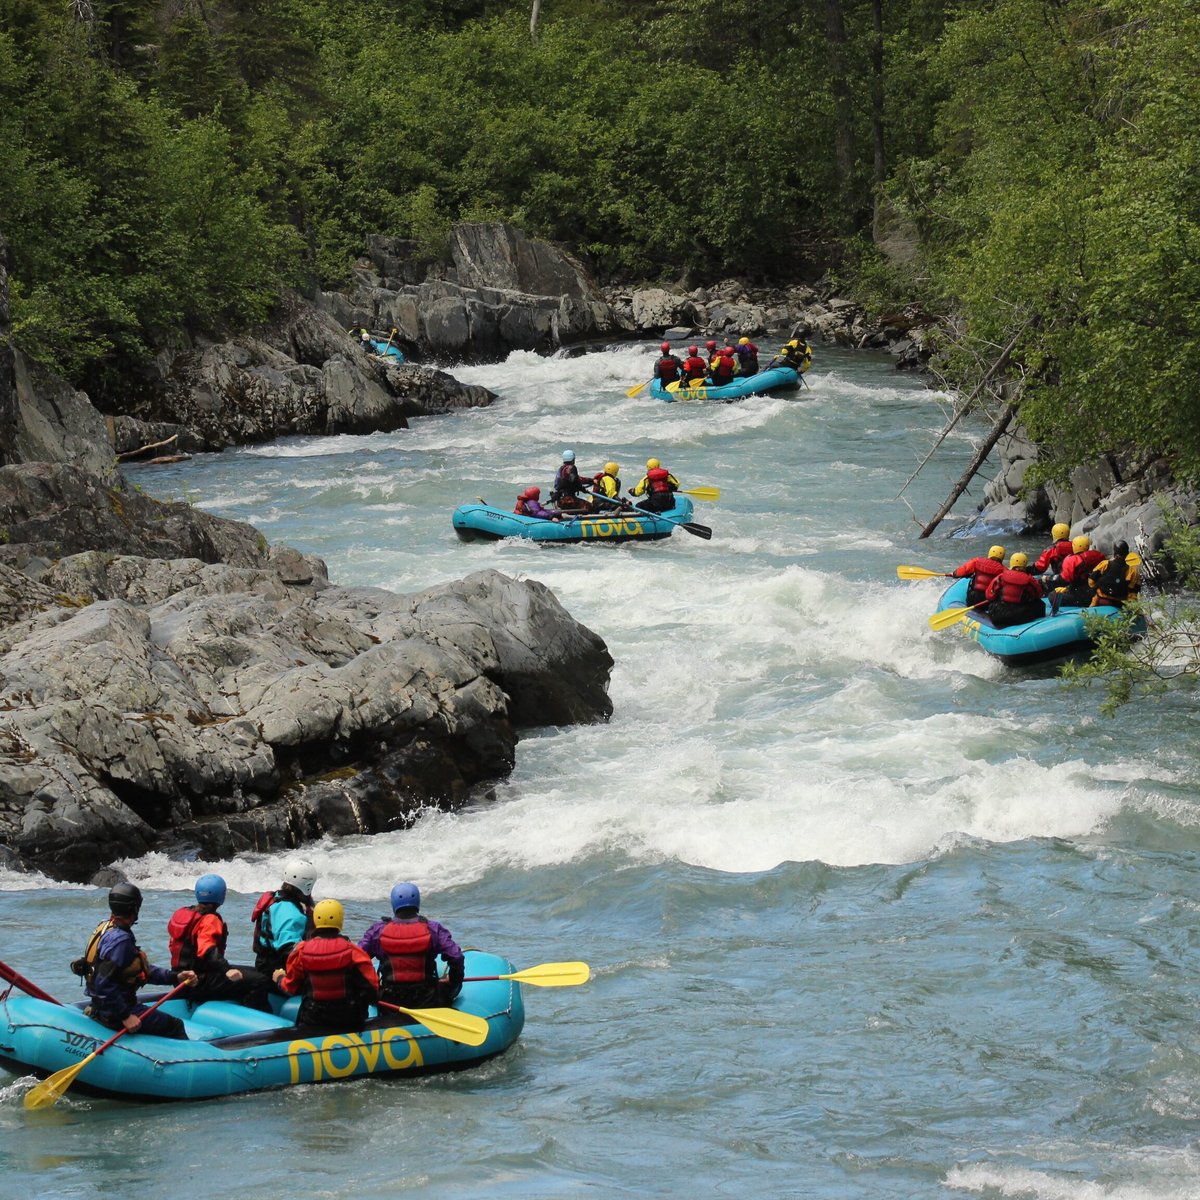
point(634, 391)
point(703, 493)
point(557, 974)
point(49, 1090)
point(449, 1023)
point(904, 572)
point(951, 616)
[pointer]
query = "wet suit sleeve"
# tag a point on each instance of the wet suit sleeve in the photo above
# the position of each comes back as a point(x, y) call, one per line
point(208, 933)
point(447, 947)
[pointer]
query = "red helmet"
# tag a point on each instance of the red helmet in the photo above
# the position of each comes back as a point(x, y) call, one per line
point(693, 349)
point(531, 493)
point(710, 344)
point(665, 347)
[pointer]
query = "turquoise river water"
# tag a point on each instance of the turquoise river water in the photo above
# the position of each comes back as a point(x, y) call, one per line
point(868, 914)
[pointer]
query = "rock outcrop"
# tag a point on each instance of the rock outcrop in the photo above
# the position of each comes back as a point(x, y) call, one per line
point(1120, 497)
point(169, 681)
point(181, 705)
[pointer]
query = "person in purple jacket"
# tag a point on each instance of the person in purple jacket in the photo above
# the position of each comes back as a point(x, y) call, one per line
point(114, 968)
point(529, 504)
point(407, 947)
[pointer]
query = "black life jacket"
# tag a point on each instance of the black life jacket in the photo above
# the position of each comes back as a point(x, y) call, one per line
point(406, 946)
point(1111, 579)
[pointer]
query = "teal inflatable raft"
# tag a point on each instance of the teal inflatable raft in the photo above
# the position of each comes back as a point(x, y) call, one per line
point(233, 1049)
point(773, 379)
point(485, 522)
point(384, 349)
point(1054, 636)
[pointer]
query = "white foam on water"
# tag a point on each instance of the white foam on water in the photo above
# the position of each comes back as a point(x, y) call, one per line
point(1161, 1174)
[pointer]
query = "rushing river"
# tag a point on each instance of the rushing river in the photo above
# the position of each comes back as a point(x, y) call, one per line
point(868, 914)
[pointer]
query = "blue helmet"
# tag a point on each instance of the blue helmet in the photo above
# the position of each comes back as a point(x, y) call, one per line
point(405, 895)
point(568, 456)
point(210, 889)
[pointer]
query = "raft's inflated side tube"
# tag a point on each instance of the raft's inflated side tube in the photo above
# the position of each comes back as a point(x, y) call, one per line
point(484, 522)
point(772, 379)
point(234, 1049)
point(1051, 637)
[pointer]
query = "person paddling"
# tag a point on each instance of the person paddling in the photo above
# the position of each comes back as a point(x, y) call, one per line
point(658, 485)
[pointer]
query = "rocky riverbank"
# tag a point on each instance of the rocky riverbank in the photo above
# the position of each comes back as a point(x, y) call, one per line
point(169, 681)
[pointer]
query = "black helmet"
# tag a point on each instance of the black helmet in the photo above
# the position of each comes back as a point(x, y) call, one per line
point(124, 900)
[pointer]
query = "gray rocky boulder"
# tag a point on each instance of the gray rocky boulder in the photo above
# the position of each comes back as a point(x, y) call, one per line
point(185, 706)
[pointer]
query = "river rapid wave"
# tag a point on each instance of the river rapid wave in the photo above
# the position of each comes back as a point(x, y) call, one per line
point(869, 915)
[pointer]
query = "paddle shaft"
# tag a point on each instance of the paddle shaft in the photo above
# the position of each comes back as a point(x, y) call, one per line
point(30, 989)
point(700, 531)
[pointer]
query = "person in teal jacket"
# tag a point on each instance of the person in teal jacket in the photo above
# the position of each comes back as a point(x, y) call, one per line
point(283, 918)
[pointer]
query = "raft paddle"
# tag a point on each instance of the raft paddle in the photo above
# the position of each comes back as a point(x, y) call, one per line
point(637, 391)
point(700, 531)
point(703, 493)
point(555, 974)
point(49, 1090)
point(449, 1023)
point(905, 572)
point(30, 989)
point(952, 616)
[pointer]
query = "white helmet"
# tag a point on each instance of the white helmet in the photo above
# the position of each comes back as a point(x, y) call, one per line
point(301, 874)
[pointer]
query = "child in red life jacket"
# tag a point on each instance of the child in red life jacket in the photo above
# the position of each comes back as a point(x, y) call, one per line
point(529, 505)
point(1015, 595)
point(336, 976)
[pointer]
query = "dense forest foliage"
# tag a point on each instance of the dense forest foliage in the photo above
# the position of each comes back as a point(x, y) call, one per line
point(1026, 166)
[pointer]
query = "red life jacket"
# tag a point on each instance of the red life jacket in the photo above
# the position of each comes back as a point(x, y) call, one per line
point(722, 371)
point(1053, 555)
point(694, 367)
point(983, 570)
point(181, 929)
point(658, 479)
point(667, 368)
point(1075, 568)
point(329, 962)
point(522, 509)
point(1013, 586)
point(406, 946)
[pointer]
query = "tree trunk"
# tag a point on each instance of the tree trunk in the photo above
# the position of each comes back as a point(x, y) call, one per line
point(877, 95)
point(533, 18)
point(843, 105)
point(980, 455)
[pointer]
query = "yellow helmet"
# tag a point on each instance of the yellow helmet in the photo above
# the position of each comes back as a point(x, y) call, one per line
point(329, 914)
point(996, 552)
point(652, 463)
point(743, 341)
point(1081, 543)
point(613, 469)
point(1018, 561)
point(1060, 531)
